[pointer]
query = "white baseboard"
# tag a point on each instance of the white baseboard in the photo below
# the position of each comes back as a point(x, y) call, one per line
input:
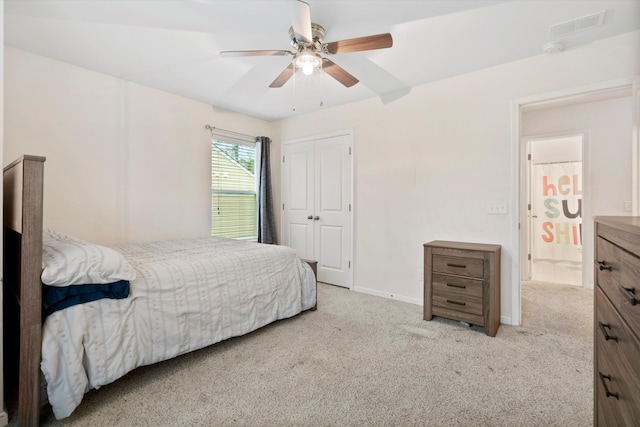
point(506, 320)
point(417, 301)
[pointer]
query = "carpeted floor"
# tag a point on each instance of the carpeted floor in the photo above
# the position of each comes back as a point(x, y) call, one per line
point(364, 360)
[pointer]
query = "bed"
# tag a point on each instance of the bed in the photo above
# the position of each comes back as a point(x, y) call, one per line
point(180, 296)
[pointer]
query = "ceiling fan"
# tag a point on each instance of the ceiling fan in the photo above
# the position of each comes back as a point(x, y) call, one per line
point(308, 40)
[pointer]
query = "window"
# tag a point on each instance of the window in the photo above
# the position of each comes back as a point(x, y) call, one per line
point(233, 190)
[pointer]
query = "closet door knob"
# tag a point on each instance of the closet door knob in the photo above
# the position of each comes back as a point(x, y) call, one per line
point(315, 218)
point(310, 217)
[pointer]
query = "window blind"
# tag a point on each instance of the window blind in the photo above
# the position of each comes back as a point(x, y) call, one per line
point(233, 190)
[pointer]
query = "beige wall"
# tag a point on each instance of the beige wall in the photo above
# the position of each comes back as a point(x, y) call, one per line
point(427, 164)
point(129, 163)
point(125, 163)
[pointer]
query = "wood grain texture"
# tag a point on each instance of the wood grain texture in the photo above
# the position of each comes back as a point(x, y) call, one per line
point(461, 266)
point(23, 196)
point(617, 322)
point(462, 282)
point(359, 44)
point(338, 73)
point(456, 293)
point(617, 359)
point(283, 77)
point(314, 266)
point(233, 53)
point(428, 283)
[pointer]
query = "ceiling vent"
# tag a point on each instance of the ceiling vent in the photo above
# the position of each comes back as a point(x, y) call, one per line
point(583, 23)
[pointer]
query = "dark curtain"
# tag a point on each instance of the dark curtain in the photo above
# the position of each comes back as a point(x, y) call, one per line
point(266, 221)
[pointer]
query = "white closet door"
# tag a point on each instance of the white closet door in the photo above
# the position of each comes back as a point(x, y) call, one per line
point(298, 185)
point(332, 210)
point(316, 194)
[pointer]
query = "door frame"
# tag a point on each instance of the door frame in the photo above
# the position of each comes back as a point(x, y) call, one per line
point(525, 167)
point(345, 132)
point(516, 168)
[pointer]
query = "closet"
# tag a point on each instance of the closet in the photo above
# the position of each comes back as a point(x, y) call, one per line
point(317, 206)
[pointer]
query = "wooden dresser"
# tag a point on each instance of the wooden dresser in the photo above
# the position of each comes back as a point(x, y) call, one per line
point(462, 282)
point(617, 321)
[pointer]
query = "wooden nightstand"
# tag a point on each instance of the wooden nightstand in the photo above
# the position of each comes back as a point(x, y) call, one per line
point(314, 266)
point(462, 282)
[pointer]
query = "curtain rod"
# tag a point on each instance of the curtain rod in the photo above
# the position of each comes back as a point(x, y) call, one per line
point(231, 133)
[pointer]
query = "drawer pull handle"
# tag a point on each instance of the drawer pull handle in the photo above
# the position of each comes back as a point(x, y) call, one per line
point(606, 389)
point(632, 295)
point(456, 265)
point(607, 337)
point(456, 302)
point(455, 285)
point(604, 266)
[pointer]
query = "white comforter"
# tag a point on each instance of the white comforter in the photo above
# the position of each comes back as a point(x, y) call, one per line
point(188, 294)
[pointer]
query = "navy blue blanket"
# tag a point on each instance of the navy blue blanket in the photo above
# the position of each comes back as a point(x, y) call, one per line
point(56, 298)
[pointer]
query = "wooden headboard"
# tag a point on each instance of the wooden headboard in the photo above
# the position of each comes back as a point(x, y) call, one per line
point(22, 264)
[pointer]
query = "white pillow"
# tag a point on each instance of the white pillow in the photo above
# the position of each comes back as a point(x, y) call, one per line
point(68, 261)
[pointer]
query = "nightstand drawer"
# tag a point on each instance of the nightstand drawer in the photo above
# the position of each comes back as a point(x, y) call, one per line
point(470, 267)
point(458, 294)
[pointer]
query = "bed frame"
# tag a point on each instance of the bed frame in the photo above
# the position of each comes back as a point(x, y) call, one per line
point(23, 218)
point(22, 205)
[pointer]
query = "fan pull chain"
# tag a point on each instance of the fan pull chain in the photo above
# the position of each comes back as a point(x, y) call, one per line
point(294, 87)
point(321, 84)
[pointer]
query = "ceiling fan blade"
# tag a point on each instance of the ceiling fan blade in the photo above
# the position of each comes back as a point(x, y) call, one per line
point(227, 53)
point(378, 41)
point(284, 76)
point(338, 73)
point(301, 21)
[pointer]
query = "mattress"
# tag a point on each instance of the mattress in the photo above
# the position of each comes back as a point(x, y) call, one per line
point(187, 294)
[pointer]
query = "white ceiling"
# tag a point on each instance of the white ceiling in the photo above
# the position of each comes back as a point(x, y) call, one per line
point(174, 45)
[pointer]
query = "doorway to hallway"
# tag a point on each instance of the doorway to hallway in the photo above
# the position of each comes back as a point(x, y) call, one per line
point(605, 114)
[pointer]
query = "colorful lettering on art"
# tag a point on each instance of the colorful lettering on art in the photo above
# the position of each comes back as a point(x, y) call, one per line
point(564, 229)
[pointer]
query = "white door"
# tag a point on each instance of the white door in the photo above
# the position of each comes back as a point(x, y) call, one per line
point(298, 200)
point(316, 194)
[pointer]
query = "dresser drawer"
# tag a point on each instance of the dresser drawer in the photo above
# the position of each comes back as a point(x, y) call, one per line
point(611, 411)
point(461, 266)
point(617, 367)
point(456, 293)
point(618, 274)
point(617, 321)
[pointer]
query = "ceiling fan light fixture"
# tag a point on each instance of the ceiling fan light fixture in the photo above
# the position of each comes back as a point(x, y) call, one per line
point(308, 40)
point(307, 61)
